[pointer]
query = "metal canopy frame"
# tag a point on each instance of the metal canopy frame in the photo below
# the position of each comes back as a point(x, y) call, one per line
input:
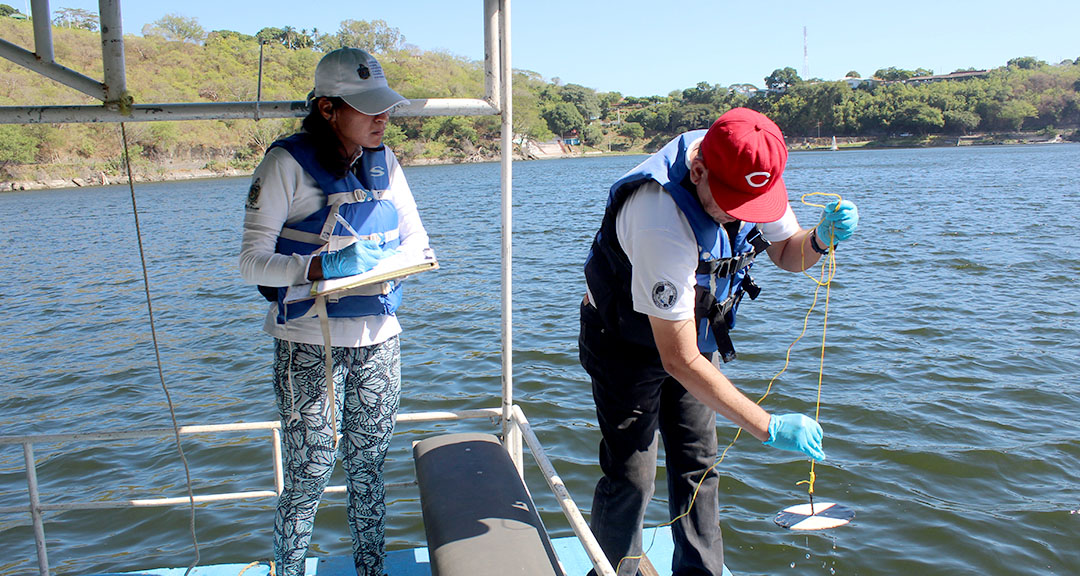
point(117, 105)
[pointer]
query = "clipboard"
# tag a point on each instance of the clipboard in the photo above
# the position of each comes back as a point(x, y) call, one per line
point(394, 267)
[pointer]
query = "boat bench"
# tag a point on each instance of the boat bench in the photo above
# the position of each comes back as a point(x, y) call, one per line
point(478, 516)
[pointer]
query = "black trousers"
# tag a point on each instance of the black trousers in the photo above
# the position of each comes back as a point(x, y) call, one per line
point(635, 399)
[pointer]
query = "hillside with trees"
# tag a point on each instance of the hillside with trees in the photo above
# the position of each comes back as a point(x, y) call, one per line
point(175, 60)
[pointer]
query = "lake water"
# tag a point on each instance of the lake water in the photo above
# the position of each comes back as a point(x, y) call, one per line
point(949, 401)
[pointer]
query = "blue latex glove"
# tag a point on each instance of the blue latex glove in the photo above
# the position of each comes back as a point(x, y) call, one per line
point(837, 223)
point(797, 433)
point(356, 258)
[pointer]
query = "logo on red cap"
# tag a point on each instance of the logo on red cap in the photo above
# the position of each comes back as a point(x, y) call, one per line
point(762, 179)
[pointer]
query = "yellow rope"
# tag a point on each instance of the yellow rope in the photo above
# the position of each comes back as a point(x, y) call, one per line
point(828, 271)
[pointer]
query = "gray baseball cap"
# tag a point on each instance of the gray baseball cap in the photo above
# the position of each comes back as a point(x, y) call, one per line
point(357, 78)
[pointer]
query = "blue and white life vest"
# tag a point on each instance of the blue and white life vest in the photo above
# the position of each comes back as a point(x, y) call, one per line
point(358, 197)
point(724, 261)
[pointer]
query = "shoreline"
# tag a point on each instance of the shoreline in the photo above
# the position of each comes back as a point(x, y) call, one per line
point(795, 145)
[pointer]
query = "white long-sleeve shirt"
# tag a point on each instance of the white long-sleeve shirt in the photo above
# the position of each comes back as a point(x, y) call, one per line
point(281, 194)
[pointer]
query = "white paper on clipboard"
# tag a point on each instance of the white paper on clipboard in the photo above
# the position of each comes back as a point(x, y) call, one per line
point(392, 267)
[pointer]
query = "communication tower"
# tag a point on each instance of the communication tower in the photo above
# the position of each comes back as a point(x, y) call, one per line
point(805, 56)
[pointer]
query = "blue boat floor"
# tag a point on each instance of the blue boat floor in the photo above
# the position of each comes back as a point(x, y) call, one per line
point(414, 561)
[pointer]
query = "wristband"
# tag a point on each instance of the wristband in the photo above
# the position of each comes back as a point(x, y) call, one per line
point(814, 243)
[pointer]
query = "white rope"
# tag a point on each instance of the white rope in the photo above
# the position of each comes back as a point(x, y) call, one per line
point(157, 353)
point(328, 364)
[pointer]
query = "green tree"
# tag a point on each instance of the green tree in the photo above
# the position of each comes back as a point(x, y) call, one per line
point(692, 117)
point(1015, 112)
point(782, 78)
point(852, 74)
point(16, 147)
point(919, 117)
point(269, 35)
point(633, 131)
point(294, 39)
point(527, 119)
point(592, 135)
point(961, 121)
point(1026, 63)
point(584, 99)
point(229, 35)
point(376, 37)
point(75, 18)
point(394, 137)
point(288, 37)
point(6, 11)
point(563, 118)
point(608, 102)
point(703, 93)
point(655, 118)
point(176, 28)
point(893, 74)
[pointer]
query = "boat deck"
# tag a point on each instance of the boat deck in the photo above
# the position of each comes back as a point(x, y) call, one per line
point(414, 562)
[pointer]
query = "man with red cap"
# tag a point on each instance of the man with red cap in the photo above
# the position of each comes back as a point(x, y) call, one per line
point(665, 276)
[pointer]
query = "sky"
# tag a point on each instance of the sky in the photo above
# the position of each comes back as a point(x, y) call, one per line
point(643, 48)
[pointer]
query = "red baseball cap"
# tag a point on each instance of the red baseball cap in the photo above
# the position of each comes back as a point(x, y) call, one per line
point(745, 155)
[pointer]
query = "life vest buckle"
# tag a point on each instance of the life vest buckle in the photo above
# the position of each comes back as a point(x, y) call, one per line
point(751, 287)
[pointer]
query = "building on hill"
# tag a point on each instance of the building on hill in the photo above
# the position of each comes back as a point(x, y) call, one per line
point(856, 82)
point(942, 77)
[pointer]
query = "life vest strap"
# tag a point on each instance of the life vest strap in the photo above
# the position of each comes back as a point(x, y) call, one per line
point(330, 223)
point(716, 314)
point(312, 238)
point(328, 366)
point(300, 236)
point(726, 267)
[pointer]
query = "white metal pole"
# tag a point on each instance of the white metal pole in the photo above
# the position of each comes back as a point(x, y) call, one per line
point(50, 69)
point(217, 110)
point(279, 472)
point(43, 44)
point(35, 509)
point(112, 52)
point(492, 49)
point(570, 509)
point(510, 433)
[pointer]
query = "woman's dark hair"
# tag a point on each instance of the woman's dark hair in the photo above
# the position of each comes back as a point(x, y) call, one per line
point(328, 147)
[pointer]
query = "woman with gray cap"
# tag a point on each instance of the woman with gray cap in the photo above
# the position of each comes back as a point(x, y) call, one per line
point(346, 349)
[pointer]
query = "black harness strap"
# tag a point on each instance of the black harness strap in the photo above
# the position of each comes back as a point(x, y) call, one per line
point(718, 314)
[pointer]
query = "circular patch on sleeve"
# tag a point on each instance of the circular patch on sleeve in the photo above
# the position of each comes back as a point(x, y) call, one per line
point(253, 194)
point(664, 294)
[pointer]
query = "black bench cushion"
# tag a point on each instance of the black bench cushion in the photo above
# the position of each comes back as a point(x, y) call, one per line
point(478, 516)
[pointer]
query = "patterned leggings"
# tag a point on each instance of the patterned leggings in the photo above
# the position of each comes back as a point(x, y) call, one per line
point(367, 383)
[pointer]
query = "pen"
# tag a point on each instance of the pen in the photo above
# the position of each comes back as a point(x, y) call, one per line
point(376, 237)
point(341, 220)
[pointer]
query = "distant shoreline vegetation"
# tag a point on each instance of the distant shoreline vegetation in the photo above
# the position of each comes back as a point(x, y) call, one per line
point(1024, 100)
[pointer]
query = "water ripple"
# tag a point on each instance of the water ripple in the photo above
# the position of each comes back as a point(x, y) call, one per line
point(948, 396)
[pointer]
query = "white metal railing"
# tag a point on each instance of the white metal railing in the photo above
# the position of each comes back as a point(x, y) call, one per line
point(569, 508)
point(221, 111)
point(37, 508)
